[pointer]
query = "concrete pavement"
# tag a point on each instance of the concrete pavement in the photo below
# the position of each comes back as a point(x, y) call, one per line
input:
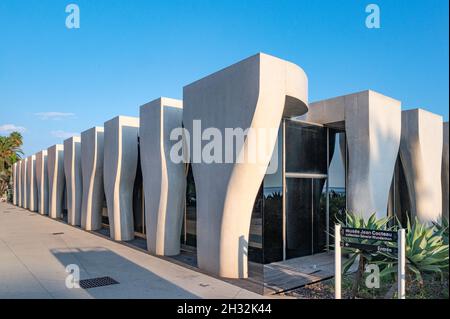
point(35, 250)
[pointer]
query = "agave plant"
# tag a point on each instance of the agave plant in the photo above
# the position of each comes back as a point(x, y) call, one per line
point(442, 228)
point(364, 257)
point(426, 253)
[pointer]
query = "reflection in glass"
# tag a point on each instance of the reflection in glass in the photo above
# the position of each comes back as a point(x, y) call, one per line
point(337, 178)
point(306, 148)
point(138, 200)
point(273, 207)
point(190, 220)
point(399, 201)
point(299, 217)
point(319, 215)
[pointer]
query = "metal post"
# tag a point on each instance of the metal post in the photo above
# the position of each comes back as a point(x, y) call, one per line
point(337, 261)
point(401, 264)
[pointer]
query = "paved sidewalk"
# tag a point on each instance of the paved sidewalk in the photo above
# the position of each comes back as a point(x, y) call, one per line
point(33, 257)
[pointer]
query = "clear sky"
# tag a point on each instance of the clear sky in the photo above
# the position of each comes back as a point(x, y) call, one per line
point(56, 81)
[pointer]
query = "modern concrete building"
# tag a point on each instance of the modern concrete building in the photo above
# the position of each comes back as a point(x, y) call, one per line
point(56, 181)
point(42, 182)
point(15, 172)
point(421, 157)
point(255, 93)
point(31, 183)
point(120, 161)
point(372, 123)
point(23, 183)
point(18, 182)
point(164, 180)
point(92, 171)
point(245, 177)
point(74, 181)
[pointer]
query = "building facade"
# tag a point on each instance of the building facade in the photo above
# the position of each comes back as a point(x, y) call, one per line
point(244, 171)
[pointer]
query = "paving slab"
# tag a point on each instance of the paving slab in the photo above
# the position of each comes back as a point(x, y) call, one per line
point(35, 250)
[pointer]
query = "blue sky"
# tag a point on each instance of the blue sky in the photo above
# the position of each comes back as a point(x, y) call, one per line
point(55, 81)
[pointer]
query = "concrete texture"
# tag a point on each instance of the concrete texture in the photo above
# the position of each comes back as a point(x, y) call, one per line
point(164, 180)
point(444, 175)
point(92, 171)
point(15, 180)
point(120, 163)
point(23, 183)
point(421, 155)
point(254, 93)
point(19, 183)
point(42, 182)
point(31, 183)
point(74, 180)
point(33, 265)
point(373, 128)
point(56, 180)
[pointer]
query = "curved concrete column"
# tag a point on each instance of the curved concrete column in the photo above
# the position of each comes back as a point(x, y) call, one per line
point(15, 184)
point(444, 175)
point(23, 183)
point(421, 155)
point(31, 183)
point(74, 181)
point(164, 180)
point(254, 93)
point(42, 182)
point(56, 180)
point(120, 163)
point(92, 171)
point(373, 127)
point(19, 183)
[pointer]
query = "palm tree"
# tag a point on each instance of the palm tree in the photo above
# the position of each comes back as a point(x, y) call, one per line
point(10, 152)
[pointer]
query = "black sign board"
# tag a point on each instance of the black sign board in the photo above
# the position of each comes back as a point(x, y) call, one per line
point(370, 248)
point(371, 234)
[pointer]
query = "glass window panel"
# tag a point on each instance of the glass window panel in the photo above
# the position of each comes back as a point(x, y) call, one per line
point(306, 148)
point(191, 211)
point(298, 217)
point(319, 215)
point(273, 208)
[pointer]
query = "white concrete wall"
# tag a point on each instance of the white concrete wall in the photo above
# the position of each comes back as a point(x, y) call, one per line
point(31, 183)
point(23, 183)
point(74, 180)
point(15, 184)
point(92, 171)
point(373, 128)
point(19, 182)
point(120, 164)
point(164, 180)
point(421, 155)
point(42, 182)
point(56, 180)
point(444, 175)
point(254, 93)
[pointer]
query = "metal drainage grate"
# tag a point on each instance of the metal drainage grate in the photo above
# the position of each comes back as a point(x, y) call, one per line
point(60, 233)
point(97, 282)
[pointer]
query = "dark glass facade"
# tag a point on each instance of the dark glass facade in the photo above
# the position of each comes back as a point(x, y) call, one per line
point(296, 203)
point(399, 201)
point(138, 200)
point(189, 232)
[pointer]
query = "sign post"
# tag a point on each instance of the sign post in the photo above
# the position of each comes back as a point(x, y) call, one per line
point(337, 261)
point(401, 264)
point(370, 234)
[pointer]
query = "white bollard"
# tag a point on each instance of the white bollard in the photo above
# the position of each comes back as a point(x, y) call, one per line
point(337, 261)
point(401, 264)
